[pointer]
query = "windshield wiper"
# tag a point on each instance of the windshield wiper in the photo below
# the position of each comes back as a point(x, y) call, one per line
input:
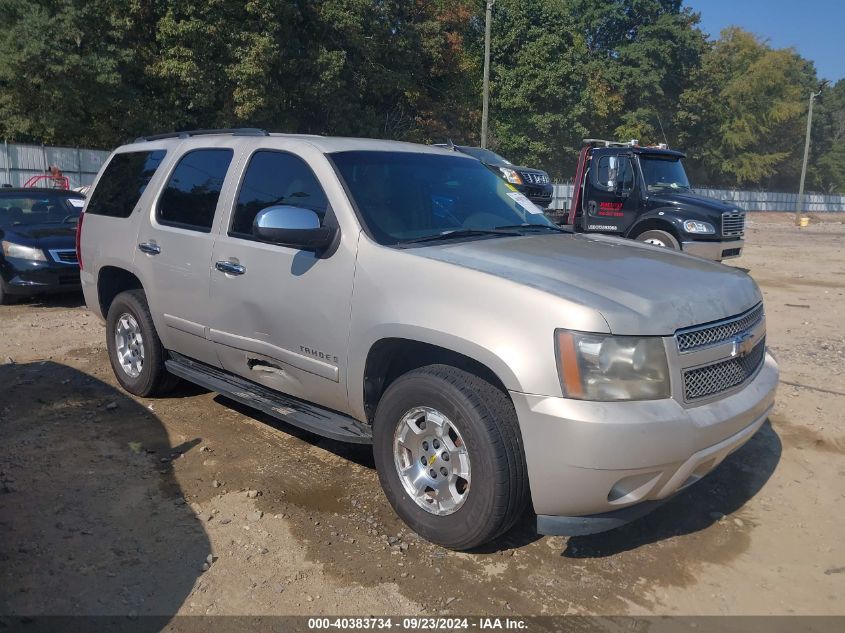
point(447, 235)
point(547, 227)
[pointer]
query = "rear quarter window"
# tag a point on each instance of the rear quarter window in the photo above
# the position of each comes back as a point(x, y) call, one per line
point(123, 182)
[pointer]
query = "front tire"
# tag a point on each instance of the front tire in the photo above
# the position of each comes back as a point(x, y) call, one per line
point(660, 238)
point(449, 456)
point(135, 350)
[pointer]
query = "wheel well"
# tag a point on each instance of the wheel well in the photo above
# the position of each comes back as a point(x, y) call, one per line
point(653, 224)
point(111, 282)
point(390, 358)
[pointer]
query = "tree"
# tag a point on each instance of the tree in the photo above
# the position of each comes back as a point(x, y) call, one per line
point(827, 162)
point(64, 70)
point(641, 55)
point(743, 115)
point(537, 83)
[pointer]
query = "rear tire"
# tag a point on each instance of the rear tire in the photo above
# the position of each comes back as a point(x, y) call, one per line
point(482, 426)
point(659, 238)
point(135, 351)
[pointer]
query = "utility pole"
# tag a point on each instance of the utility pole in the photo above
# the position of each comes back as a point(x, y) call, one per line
point(799, 206)
point(485, 106)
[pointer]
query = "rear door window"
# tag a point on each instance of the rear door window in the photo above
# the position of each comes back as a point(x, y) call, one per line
point(190, 197)
point(123, 182)
point(275, 178)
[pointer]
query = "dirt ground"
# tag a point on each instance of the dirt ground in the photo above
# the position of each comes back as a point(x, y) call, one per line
point(111, 504)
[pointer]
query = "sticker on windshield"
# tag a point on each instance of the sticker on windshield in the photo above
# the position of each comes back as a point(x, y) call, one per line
point(525, 203)
point(76, 202)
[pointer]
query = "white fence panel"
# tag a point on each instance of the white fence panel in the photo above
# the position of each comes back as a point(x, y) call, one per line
point(747, 200)
point(20, 161)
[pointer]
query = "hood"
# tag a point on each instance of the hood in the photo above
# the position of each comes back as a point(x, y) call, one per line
point(45, 236)
point(689, 201)
point(639, 289)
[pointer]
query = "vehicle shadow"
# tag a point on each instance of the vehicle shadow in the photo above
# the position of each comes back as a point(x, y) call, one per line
point(92, 519)
point(64, 300)
point(361, 454)
point(724, 491)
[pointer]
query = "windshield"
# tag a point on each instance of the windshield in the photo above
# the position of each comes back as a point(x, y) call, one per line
point(662, 173)
point(485, 155)
point(404, 196)
point(25, 209)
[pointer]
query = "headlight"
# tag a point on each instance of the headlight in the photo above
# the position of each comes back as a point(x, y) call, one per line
point(10, 249)
point(605, 367)
point(695, 226)
point(511, 175)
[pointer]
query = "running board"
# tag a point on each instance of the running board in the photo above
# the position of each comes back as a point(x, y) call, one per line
point(299, 413)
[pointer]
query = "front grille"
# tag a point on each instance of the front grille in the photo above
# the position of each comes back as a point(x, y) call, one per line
point(704, 335)
point(69, 279)
point(536, 192)
point(701, 382)
point(530, 178)
point(733, 224)
point(64, 255)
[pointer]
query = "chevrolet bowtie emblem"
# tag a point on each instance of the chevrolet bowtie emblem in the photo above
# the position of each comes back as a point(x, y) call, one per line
point(742, 344)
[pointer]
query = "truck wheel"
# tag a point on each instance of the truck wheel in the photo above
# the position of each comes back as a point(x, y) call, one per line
point(659, 238)
point(449, 456)
point(135, 351)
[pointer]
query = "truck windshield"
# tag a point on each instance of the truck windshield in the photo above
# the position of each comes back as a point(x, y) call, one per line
point(405, 196)
point(663, 173)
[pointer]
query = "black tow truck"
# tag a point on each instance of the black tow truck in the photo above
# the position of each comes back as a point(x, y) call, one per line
point(643, 193)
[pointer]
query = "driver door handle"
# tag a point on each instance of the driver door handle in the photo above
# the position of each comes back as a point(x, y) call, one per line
point(230, 268)
point(150, 248)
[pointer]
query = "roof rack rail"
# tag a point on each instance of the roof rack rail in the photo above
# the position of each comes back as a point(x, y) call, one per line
point(235, 131)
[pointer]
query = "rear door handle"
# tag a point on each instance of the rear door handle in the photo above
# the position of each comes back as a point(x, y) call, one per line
point(150, 248)
point(230, 268)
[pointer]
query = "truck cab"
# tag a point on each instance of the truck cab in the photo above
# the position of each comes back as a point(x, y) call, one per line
point(643, 193)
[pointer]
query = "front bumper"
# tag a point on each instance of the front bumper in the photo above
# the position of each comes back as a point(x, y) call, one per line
point(716, 251)
point(541, 195)
point(593, 466)
point(25, 277)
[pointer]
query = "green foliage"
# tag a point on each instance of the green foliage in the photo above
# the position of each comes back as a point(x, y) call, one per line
point(641, 56)
point(538, 83)
point(744, 114)
point(98, 72)
point(827, 160)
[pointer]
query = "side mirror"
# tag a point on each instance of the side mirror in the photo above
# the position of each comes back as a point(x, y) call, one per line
point(296, 227)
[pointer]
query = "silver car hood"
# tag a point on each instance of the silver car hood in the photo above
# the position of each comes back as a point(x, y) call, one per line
point(637, 288)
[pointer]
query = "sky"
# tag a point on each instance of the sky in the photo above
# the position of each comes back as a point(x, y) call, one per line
point(815, 28)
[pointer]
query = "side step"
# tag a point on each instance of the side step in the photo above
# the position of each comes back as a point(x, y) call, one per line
point(304, 415)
